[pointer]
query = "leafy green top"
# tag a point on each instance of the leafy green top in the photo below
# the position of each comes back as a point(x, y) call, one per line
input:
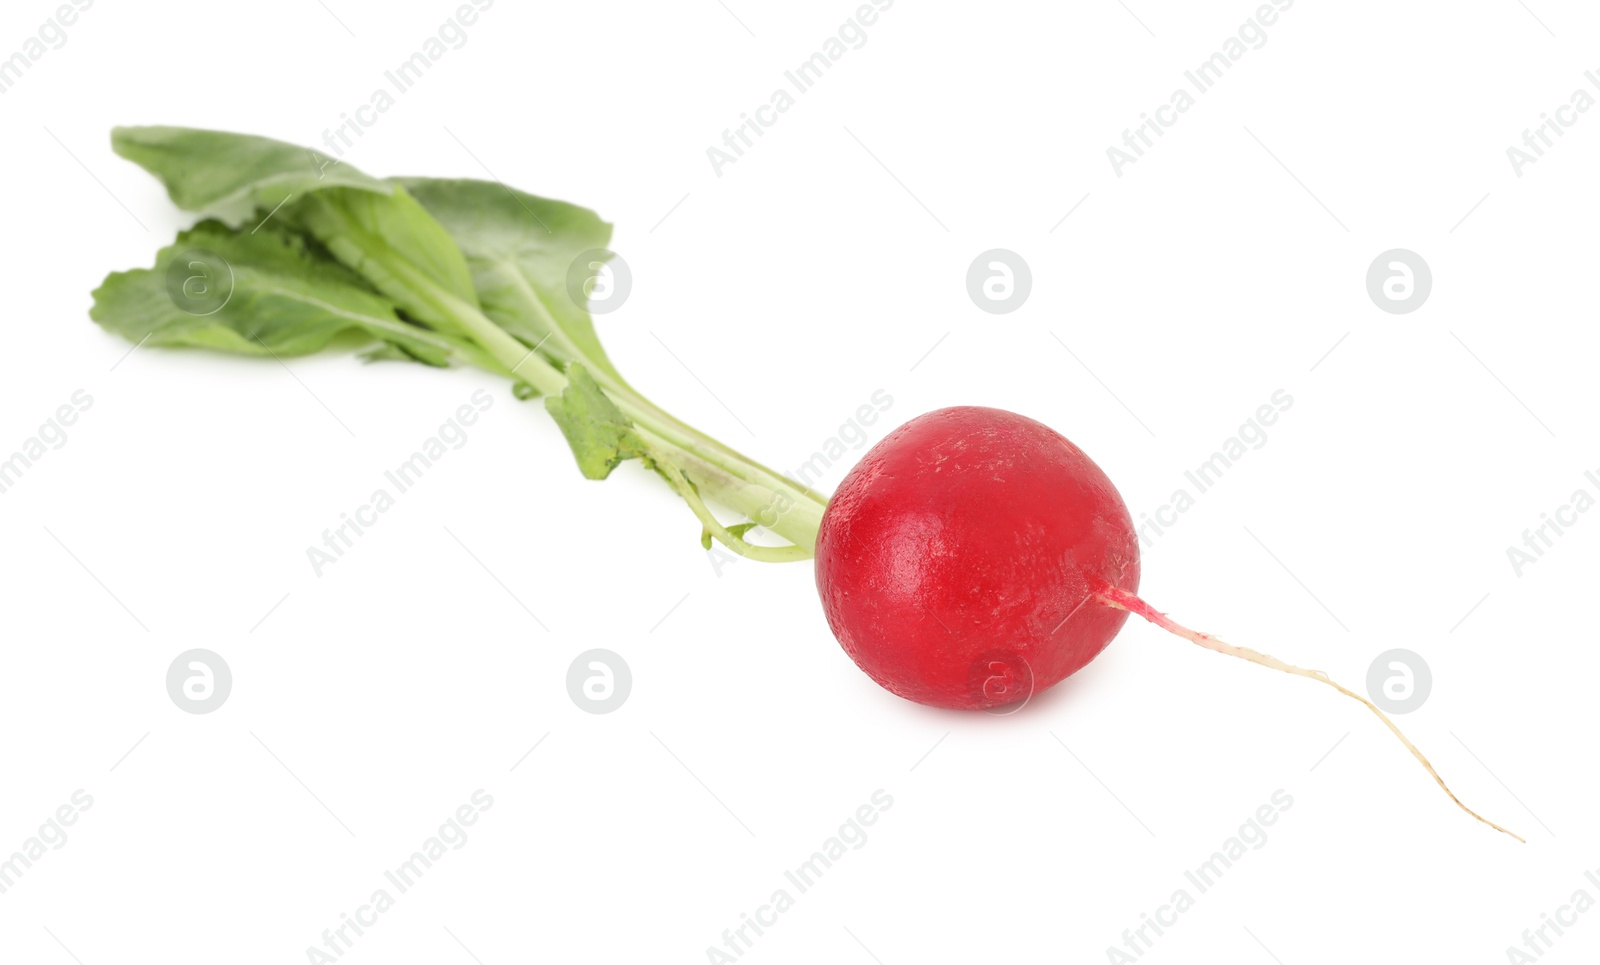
point(434, 271)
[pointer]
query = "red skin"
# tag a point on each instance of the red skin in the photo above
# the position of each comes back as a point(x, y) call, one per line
point(959, 560)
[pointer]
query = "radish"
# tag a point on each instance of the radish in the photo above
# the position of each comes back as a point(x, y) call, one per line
point(973, 558)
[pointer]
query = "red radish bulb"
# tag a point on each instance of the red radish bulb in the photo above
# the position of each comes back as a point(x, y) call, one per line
point(957, 559)
point(975, 557)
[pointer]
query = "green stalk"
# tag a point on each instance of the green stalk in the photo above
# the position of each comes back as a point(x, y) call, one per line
point(640, 407)
point(727, 477)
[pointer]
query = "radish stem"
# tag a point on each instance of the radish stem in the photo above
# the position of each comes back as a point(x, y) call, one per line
point(1123, 600)
point(686, 488)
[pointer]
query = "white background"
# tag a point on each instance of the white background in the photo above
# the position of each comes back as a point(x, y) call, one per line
point(371, 702)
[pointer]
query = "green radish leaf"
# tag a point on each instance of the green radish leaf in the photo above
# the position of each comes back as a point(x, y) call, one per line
point(374, 227)
point(230, 176)
point(262, 293)
point(600, 434)
point(521, 249)
point(394, 243)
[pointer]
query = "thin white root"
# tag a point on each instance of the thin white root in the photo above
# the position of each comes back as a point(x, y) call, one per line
point(1123, 600)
